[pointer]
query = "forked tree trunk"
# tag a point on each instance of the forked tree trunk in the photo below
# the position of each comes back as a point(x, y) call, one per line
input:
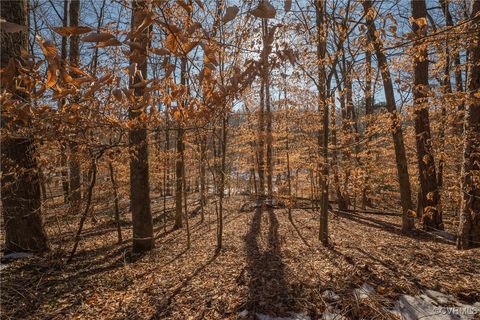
point(139, 177)
point(400, 154)
point(469, 227)
point(430, 197)
point(20, 185)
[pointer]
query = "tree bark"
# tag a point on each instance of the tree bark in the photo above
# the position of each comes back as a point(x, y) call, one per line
point(74, 164)
point(469, 227)
point(139, 176)
point(430, 197)
point(115, 201)
point(20, 183)
point(400, 154)
point(268, 113)
point(322, 106)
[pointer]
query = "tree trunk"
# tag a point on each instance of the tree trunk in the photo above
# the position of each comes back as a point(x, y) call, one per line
point(400, 154)
point(139, 176)
point(74, 164)
point(63, 147)
point(179, 165)
point(469, 227)
point(368, 114)
point(261, 142)
point(203, 199)
point(268, 113)
point(20, 185)
point(430, 197)
point(322, 106)
point(115, 199)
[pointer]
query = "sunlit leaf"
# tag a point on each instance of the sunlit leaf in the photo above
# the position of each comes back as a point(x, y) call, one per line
point(73, 30)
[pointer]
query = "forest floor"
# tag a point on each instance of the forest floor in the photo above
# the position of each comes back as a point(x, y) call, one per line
point(268, 265)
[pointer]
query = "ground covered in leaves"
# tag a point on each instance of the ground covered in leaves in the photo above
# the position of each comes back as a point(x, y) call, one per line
point(268, 265)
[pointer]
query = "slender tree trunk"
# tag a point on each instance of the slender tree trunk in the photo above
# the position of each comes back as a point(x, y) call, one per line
point(74, 164)
point(287, 148)
point(430, 197)
point(179, 162)
point(261, 142)
point(400, 154)
point(139, 176)
point(268, 113)
point(368, 113)
point(322, 106)
point(222, 180)
point(93, 179)
point(63, 147)
point(469, 227)
point(203, 200)
point(20, 185)
point(184, 183)
point(115, 199)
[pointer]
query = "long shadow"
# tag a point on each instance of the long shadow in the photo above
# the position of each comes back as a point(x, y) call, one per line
point(391, 228)
point(55, 281)
point(268, 290)
point(163, 308)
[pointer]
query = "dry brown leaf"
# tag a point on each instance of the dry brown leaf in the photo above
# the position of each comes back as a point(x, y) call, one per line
point(169, 69)
point(118, 94)
point(114, 42)
point(97, 37)
point(159, 51)
point(10, 27)
point(68, 31)
point(265, 10)
point(51, 76)
point(230, 14)
point(48, 49)
point(171, 43)
point(288, 5)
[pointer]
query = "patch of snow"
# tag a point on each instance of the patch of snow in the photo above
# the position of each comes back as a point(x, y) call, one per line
point(434, 305)
point(243, 314)
point(330, 296)
point(445, 235)
point(364, 292)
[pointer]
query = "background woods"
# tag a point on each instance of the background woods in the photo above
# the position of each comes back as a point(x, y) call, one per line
point(222, 136)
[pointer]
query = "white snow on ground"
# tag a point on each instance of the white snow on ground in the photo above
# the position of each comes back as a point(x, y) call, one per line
point(364, 292)
point(434, 305)
point(430, 305)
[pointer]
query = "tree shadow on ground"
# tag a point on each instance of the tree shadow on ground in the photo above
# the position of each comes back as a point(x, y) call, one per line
point(47, 282)
point(163, 308)
point(393, 228)
point(268, 290)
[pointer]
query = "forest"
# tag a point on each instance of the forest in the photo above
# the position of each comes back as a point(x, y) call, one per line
point(229, 159)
